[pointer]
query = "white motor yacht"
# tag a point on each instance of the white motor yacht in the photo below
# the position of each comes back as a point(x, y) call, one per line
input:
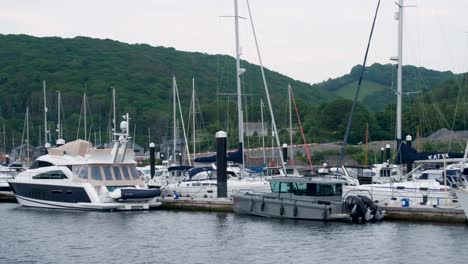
point(77, 176)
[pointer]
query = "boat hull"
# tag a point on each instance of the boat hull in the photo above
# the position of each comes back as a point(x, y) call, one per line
point(289, 208)
point(55, 196)
point(416, 193)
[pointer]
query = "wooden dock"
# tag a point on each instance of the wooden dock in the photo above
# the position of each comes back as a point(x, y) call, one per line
point(425, 214)
point(199, 204)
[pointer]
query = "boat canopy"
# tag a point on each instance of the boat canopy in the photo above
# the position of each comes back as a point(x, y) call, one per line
point(194, 171)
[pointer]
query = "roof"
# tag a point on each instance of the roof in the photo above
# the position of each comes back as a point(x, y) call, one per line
point(330, 180)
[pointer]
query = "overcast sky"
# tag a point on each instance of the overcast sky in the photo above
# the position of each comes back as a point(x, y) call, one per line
point(308, 40)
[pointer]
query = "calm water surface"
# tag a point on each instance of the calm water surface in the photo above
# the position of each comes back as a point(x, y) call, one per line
point(51, 236)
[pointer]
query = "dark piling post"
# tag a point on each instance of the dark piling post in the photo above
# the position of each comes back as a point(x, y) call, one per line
point(152, 160)
point(221, 163)
point(387, 152)
point(285, 153)
point(409, 165)
point(382, 155)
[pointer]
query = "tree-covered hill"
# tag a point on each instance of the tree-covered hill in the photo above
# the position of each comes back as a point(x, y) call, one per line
point(142, 77)
point(379, 83)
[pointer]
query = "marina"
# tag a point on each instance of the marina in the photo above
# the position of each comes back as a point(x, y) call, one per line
point(125, 150)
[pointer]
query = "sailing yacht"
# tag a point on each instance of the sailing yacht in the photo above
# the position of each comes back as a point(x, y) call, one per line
point(417, 192)
point(78, 176)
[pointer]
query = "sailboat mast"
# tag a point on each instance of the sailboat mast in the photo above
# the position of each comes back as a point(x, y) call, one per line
point(114, 130)
point(45, 112)
point(27, 135)
point(84, 111)
point(174, 125)
point(290, 124)
point(193, 115)
point(263, 133)
point(59, 125)
point(239, 71)
point(399, 72)
point(4, 140)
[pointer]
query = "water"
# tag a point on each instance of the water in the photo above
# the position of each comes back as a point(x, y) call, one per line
point(53, 236)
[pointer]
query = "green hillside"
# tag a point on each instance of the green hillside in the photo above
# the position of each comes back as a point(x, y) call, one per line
point(142, 77)
point(379, 83)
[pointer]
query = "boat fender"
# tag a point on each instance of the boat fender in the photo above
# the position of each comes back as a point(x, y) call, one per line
point(262, 206)
point(281, 210)
point(424, 200)
point(295, 211)
point(325, 213)
point(251, 205)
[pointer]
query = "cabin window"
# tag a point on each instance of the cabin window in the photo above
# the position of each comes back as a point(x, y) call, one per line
point(125, 173)
point(299, 188)
point(51, 175)
point(96, 173)
point(423, 176)
point(285, 187)
point(107, 173)
point(274, 186)
point(81, 171)
point(290, 171)
point(133, 173)
point(40, 164)
point(117, 174)
point(314, 189)
point(384, 173)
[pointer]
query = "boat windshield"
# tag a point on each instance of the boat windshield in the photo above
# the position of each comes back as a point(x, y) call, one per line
point(307, 189)
point(106, 172)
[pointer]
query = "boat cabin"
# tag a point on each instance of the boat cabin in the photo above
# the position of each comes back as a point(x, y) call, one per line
point(316, 187)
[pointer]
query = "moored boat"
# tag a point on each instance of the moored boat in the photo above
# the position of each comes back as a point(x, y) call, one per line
point(77, 176)
point(308, 198)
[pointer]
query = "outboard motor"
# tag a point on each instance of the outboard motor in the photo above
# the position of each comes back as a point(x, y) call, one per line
point(362, 209)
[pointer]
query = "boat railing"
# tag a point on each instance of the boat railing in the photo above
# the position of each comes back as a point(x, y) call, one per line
point(358, 190)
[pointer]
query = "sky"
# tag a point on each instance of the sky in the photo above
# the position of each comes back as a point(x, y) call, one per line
point(307, 40)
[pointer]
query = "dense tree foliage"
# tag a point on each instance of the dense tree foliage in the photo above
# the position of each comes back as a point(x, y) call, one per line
point(142, 77)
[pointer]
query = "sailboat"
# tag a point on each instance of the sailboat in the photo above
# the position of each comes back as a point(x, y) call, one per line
point(417, 192)
point(173, 173)
point(205, 184)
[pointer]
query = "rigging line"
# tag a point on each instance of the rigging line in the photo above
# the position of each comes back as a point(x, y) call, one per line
point(302, 131)
point(440, 117)
point(455, 111)
point(348, 125)
point(79, 122)
point(266, 88)
point(183, 126)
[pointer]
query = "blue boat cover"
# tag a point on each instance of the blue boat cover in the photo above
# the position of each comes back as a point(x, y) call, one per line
point(409, 155)
point(235, 156)
point(194, 171)
point(179, 168)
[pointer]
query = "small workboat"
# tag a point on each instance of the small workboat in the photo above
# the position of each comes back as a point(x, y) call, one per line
point(308, 198)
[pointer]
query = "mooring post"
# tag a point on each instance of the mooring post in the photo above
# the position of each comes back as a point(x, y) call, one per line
point(221, 163)
point(409, 165)
point(382, 155)
point(285, 153)
point(152, 159)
